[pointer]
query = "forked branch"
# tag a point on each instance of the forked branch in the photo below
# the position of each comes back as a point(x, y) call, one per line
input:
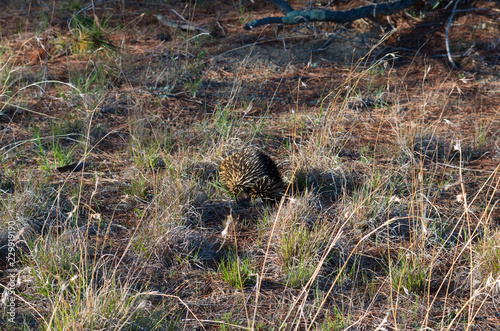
point(323, 15)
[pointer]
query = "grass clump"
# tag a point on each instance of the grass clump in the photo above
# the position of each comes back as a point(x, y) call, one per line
point(371, 205)
point(167, 231)
point(237, 272)
point(175, 246)
point(52, 154)
point(302, 237)
point(487, 262)
point(299, 254)
point(335, 320)
point(79, 292)
point(36, 208)
point(91, 34)
point(409, 274)
point(69, 286)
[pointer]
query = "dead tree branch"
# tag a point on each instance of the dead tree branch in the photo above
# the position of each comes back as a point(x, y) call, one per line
point(342, 16)
point(447, 40)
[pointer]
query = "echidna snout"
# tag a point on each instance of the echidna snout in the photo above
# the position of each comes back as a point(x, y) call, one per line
point(250, 173)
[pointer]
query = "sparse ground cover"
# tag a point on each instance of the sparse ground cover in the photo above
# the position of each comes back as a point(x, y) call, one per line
point(392, 218)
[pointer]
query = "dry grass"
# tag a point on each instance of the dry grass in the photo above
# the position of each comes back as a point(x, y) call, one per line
point(391, 218)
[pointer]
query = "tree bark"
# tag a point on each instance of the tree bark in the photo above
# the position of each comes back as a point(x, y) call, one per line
point(342, 16)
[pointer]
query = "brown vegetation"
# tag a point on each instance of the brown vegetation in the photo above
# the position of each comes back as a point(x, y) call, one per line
point(393, 217)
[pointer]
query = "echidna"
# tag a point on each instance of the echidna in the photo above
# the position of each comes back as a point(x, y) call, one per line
point(250, 173)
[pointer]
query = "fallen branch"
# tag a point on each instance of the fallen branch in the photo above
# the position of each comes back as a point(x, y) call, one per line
point(323, 15)
point(447, 39)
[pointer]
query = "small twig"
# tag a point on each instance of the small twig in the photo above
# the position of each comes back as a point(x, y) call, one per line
point(175, 25)
point(283, 39)
point(329, 41)
point(180, 16)
point(390, 51)
point(390, 22)
point(328, 4)
point(448, 52)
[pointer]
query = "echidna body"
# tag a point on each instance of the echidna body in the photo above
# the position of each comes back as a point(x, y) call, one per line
point(250, 173)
